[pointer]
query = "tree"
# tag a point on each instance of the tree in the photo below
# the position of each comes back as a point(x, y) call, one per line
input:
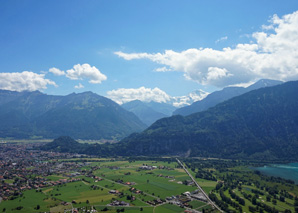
point(282, 198)
point(274, 202)
point(254, 200)
point(268, 198)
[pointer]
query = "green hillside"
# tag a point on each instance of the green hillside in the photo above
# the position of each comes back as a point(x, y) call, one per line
point(84, 115)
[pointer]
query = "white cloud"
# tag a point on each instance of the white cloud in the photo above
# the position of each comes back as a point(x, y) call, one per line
point(132, 55)
point(80, 86)
point(221, 39)
point(56, 71)
point(272, 54)
point(20, 81)
point(86, 71)
point(79, 72)
point(162, 69)
point(185, 100)
point(247, 84)
point(123, 95)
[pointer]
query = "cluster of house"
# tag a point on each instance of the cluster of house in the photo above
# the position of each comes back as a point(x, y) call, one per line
point(125, 183)
point(136, 191)
point(91, 175)
point(184, 199)
point(155, 202)
point(186, 182)
point(148, 167)
point(197, 194)
point(179, 200)
point(113, 167)
point(166, 176)
point(114, 192)
point(22, 168)
point(118, 203)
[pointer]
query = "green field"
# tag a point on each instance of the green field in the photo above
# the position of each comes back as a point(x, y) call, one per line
point(89, 193)
point(228, 181)
point(29, 202)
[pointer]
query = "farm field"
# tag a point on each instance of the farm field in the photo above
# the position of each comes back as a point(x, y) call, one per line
point(141, 186)
point(152, 185)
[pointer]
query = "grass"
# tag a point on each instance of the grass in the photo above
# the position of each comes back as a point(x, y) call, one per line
point(81, 192)
point(196, 204)
point(29, 201)
point(168, 208)
point(160, 186)
point(207, 185)
point(147, 181)
point(9, 180)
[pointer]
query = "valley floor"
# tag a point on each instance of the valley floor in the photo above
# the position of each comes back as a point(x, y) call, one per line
point(36, 181)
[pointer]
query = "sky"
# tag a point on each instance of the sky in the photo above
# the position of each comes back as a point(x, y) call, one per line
point(145, 49)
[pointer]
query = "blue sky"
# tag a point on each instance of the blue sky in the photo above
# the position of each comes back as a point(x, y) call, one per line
point(173, 46)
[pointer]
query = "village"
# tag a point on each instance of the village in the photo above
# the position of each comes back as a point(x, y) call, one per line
point(23, 168)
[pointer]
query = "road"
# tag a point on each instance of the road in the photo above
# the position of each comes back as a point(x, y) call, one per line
point(209, 200)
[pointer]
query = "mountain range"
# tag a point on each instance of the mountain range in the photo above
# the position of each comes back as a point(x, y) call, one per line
point(261, 124)
point(84, 115)
point(219, 96)
point(149, 112)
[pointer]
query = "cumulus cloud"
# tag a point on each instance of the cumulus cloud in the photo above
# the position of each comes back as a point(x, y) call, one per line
point(79, 72)
point(86, 71)
point(272, 54)
point(79, 86)
point(20, 81)
point(56, 71)
point(123, 95)
point(185, 100)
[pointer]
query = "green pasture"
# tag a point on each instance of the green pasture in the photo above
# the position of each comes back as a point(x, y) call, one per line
point(148, 180)
point(82, 193)
point(168, 208)
point(197, 204)
point(28, 202)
